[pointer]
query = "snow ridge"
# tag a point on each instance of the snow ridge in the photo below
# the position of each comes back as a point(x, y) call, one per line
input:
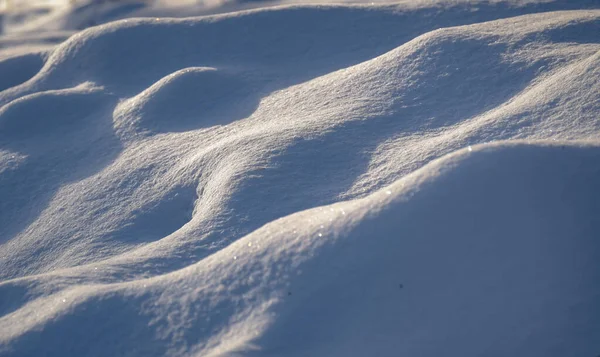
point(306, 180)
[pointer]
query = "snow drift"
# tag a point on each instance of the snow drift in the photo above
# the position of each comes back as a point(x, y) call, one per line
point(327, 180)
point(489, 250)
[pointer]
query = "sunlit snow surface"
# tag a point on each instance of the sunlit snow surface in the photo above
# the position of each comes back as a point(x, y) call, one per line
point(416, 179)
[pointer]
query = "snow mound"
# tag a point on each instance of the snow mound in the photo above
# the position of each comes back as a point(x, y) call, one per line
point(179, 101)
point(306, 180)
point(488, 249)
point(36, 114)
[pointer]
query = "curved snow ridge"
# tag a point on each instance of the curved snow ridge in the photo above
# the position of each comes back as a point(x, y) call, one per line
point(489, 247)
point(341, 135)
point(161, 177)
point(105, 54)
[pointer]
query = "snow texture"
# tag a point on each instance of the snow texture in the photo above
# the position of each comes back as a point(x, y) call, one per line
point(413, 179)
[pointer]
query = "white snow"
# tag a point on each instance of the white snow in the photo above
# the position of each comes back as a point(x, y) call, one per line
point(411, 179)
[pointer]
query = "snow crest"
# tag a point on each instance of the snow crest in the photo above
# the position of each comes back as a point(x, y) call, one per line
point(393, 180)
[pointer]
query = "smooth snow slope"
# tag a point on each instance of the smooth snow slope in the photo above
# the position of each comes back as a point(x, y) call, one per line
point(165, 185)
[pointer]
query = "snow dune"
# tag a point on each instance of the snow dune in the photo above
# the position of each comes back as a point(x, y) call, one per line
point(410, 179)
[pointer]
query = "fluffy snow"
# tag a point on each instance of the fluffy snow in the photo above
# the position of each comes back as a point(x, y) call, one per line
point(413, 179)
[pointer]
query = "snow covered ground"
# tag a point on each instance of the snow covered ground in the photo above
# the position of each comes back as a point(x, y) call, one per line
point(413, 179)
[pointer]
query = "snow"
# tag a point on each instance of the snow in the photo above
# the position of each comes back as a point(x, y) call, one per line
point(419, 178)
